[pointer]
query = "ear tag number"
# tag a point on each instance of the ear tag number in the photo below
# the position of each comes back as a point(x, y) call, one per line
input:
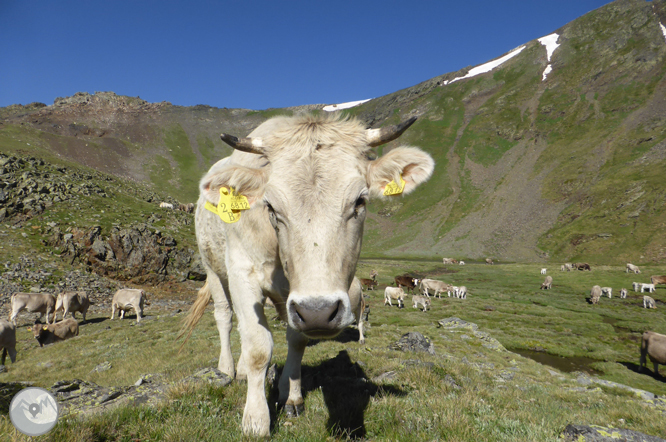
point(230, 205)
point(393, 189)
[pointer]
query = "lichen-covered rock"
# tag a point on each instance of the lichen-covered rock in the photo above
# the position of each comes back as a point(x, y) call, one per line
point(595, 433)
point(211, 376)
point(456, 323)
point(414, 341)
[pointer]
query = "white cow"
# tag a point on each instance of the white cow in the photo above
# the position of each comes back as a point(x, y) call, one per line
point(623, 293)
point(72, 302)
point(437, 287)
point(543, 271)
point(462, 292)
point(647, 288)
point(396, 294)
point(128, 299)
point(607, 291)
point(636, 286)
point(166, 205)
point(302, 183)
point(648, 302)
point(421, 300)
point(454, 289)
point(562, 268)
point(42, 303)
point(462, 263)
point(632, 268)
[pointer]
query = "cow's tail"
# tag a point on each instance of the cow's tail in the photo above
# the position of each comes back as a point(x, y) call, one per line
point(194, 315)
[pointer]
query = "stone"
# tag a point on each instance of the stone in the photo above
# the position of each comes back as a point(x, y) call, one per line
point(104, 366)
point(456, 323)
point(595, 433)
point(414, 341)
point(211, 376)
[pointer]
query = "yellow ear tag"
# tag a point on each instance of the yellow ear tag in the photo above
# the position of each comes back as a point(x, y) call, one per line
point(45, 328)
point(230, 205)
point(393, 189)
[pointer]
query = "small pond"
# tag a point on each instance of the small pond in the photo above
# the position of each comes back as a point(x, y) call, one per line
point(562, 363)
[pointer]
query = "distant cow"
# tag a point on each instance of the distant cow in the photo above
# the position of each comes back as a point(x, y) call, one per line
point(489, 261)
point(50, 333)
point(72, 302)
point(369, 284)
point(632, 268)
point(7, 340)
point(562, 268)
point(166, 205)
point(548, 283)
point(127, 299)
point(42, 303)
point(647, 288)
point(396, 294)
point(437, 287)
point(607, 291)
point(543, 271)
point(648, 302)
point(358, 306)
point(653, 345)
point(595, 294)
point(421, 300)
point(658, 279)
point(189, 208)
point(623, 293)
point(462, 292)
point(406, 281)
point(449, 261)
point(636, 286)
point(462, 263)
point(583, 266)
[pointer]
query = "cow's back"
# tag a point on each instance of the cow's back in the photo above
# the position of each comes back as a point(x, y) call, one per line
point(127, 297)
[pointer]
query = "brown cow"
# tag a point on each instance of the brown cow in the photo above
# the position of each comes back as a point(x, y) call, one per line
point(7, 340)
point(50, 333)
point(370, 284)
point(406, 281)
point(582, 266)
point(653, 345)
point(658, 279)
point(72, 302)
point(489, 261)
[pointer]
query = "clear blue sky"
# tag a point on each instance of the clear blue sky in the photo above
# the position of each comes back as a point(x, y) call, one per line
point(256, 54)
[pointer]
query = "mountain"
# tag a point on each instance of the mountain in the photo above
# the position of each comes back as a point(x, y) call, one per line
point(566, 168)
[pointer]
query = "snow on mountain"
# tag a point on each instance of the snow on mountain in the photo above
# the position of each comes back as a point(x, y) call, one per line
point(550, 42)
point(487, 67)
point(334, 107)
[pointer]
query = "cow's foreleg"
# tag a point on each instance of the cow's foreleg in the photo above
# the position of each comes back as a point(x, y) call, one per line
point(290, 380)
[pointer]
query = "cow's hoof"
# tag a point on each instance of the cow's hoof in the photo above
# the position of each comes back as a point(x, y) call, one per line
point(293, 410)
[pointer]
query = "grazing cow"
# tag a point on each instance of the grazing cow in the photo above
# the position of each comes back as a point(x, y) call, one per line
point(462, 292)
point(489, 261)
point(72, 302)
point(636, 286)
point(462, 263)
point(437, 287)
point(42, 303)
point(543, 271)
point(647, 288)
point(166, 205)
point(50, 333)
point(370, 284)
point(395, 293)
point(648, 302)
point(127, 299)
point(623, 293)
point(302, 183)
point(653, 345)
point(421, 300)
point(547, 283)
point(7, 340)
point(449, 261)
point(632, 268)
point(658, 279)
point(358, 306)
point(562, 268)
point(569, 266)
point(607, 291)
point(595, 294)
point(454, 289)
point(583, 266)
point(406, 281)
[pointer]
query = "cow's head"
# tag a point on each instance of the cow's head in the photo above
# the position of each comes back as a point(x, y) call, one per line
point(313, 179)
point(40, 333)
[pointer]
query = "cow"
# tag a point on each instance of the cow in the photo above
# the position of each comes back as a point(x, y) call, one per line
point(632, 268)
point(302, 183)
point(437, 287)
point(7, 340)
point(582, 266)
point(42, 303)
point(648, 302)
point(569, 266)
point(369, 284)
point(449, 261)
point(658, 279)
point(562, 268)
point(421, 300)
point(543, 271)
point(394, 293)
point(127, 299)
point(647, 288)
point(72, 302)
point(406, 281)
point(489, 261)
point(51, 333)
point(358, 306)
point(607, 291)
point(462, 292)
point(462, 263)
point(547, 283)
point(595, 294)
point(164, 205)
point(623, 293)
point(454, 289)
point(653, 345)
point(636, 286)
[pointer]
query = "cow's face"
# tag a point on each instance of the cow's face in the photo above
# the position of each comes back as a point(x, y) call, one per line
point(314, 195)
point(40, 333)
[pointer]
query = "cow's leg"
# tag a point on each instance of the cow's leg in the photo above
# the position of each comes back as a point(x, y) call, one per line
point(223, 315)
point(656, 368)
point(113, 310)
point(122, 313)
point(290, 380)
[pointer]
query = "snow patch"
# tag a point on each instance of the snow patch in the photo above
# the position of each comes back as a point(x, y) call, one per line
point(334, 107)
point(487, 67)
point(663, 29)
point(550, 42)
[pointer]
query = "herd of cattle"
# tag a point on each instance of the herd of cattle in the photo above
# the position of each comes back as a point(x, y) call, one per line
point(68, 302)
point(189, 208)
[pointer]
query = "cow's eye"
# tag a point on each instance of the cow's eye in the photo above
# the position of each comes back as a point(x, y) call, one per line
point(359, 205)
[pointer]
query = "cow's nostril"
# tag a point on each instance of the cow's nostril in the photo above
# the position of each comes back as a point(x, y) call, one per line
point(335, 312)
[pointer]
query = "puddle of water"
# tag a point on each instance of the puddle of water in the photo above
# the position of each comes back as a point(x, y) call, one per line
point(562, 363)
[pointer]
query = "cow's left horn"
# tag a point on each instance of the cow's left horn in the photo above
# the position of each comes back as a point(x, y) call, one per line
point(250, 145)
point(377, 137)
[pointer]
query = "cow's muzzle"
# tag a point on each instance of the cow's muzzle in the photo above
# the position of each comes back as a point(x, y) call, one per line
point(319, 316)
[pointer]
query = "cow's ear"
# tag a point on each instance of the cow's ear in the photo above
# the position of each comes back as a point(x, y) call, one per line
point(246, 181)
point(411, 163)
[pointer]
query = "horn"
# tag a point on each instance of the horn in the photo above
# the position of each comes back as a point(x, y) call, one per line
point(250, 145)
point(377, 137)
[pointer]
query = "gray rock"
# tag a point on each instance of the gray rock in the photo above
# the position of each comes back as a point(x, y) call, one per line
point(211, 376)
point(104, 366)
point(595, 433)
point(456, 323)
point(414, 341)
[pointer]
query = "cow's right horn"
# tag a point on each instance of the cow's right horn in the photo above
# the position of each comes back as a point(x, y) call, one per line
point(250, 145)
point(377, 137)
